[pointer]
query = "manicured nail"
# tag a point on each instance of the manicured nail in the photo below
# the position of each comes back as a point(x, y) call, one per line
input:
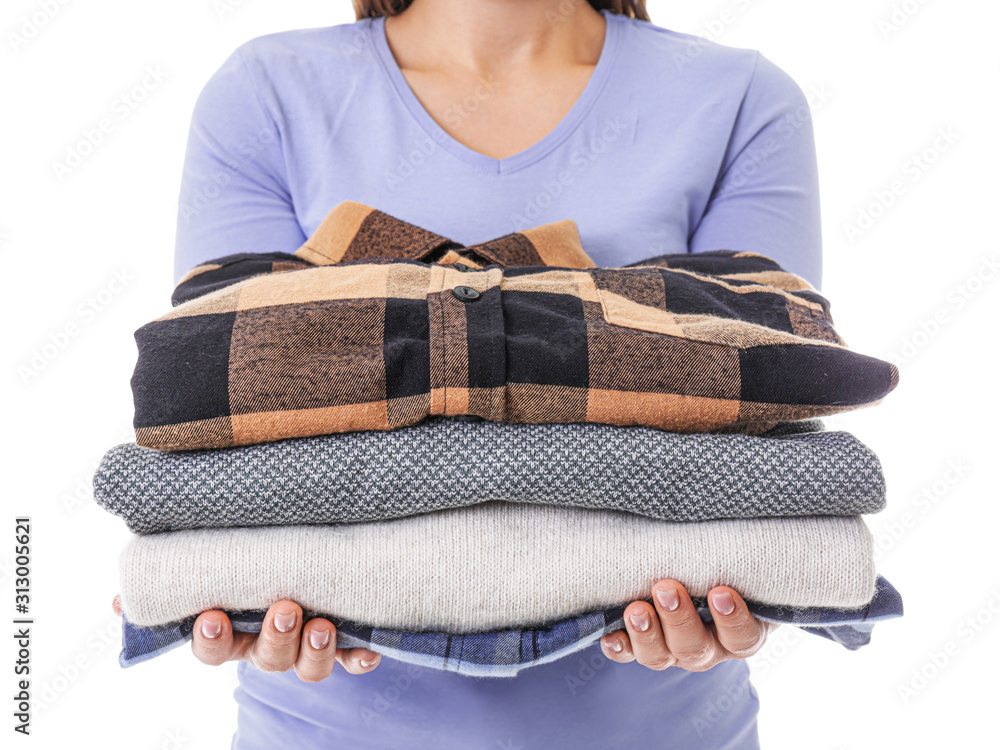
point(211, 628)
point(723, 603)
point(369, 662)
point(284, 621)
point(667, 598)
point(319, 638)
point(640, 622)
point(614, 645)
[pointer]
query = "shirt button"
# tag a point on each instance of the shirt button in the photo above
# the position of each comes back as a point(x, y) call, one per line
point(465, 293)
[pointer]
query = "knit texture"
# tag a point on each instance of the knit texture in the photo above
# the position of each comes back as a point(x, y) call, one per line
point(504, 653)
point(493, 565)
point(794, 470)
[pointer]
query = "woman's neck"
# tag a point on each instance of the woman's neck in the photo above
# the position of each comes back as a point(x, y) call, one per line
point(482, 37)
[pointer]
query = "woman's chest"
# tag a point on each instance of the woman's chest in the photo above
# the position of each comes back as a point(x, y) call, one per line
point(631, 195)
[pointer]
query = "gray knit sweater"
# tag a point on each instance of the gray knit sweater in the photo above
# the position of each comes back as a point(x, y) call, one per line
point(797, 469)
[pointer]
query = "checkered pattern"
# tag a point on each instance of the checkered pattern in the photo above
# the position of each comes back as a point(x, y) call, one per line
point(504, 653)
point(359, 329)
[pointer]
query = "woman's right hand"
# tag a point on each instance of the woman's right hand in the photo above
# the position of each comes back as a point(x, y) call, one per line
point(282, 644)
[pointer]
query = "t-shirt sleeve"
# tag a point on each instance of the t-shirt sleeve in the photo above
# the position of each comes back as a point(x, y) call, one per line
point(766, 198)
point(234, 195)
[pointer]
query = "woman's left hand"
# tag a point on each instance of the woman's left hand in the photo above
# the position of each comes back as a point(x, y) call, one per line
point(672, 634)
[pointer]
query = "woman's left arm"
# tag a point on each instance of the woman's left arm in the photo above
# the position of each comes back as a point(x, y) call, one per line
point(766, 195)
point(765, 200)
point(671, 633)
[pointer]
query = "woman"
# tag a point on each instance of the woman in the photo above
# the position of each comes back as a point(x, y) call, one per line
point(473, 119)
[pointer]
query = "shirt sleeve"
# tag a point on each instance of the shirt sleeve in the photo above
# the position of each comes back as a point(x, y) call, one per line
point(234, 195)
point(766, 198)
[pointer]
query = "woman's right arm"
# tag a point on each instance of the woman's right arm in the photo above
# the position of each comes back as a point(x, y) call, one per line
point(234, 195)
point(283, 643)
point(234, 198)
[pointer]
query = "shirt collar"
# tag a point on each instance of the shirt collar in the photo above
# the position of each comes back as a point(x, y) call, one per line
point(354, 231)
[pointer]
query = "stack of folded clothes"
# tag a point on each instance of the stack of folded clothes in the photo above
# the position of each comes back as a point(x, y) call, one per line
point(525, 440)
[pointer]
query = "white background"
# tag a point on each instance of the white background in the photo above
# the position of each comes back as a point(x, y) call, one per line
point(886, 86)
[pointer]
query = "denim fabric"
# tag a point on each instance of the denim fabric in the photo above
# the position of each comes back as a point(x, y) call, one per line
point(504, 653)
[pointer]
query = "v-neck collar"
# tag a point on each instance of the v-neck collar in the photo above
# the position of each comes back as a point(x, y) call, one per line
point(598, 78)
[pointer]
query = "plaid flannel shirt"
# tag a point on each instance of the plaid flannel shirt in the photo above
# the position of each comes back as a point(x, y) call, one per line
point(503, 653)
point(375, 324)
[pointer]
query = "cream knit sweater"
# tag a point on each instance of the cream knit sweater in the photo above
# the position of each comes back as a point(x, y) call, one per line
point(494, 565)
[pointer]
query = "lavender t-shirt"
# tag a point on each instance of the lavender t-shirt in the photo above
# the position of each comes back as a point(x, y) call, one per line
point(675, 145)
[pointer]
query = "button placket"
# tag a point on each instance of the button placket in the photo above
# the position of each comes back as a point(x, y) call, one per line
point(454, 330)
point(464, 310)
point(485, 345)
point(465, 293)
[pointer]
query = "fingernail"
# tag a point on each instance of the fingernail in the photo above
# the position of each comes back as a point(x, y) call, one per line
point(369, 662)
point(614, 645)
point(117, 603)
point(640, 622)
point(723, 603)
point(319, 638)
point(211, 628)
point(667, 598)
point(284, 621)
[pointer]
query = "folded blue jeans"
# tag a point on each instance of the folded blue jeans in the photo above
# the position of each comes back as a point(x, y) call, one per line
point(504, 653)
